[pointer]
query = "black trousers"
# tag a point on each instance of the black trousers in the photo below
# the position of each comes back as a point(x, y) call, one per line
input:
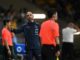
point(36, 53)
point(67, 51)
point(6, 56)
point(48, 52)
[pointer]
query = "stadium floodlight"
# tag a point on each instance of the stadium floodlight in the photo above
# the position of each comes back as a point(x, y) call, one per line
point(39, 16)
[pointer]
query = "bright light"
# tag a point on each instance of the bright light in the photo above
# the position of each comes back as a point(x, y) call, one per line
point(39, 16)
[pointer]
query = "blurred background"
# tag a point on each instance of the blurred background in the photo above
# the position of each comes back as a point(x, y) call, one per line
point(68, 10)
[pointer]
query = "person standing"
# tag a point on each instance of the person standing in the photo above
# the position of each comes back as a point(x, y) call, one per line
point(68, 41)
point(49, 35)
point(31, 34)
point(7, 40)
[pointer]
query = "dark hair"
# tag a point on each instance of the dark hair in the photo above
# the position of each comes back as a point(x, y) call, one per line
point(50, 12)
point(5, 22)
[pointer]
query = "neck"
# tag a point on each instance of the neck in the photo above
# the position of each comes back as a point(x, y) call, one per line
point(52, 19)
point(6, 27)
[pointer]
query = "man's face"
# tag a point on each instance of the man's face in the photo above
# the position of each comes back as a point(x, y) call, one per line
point(55, 16)
point(29, 16)
point(9, 25)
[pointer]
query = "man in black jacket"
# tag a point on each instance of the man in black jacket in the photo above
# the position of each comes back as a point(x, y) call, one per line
point(31, 30)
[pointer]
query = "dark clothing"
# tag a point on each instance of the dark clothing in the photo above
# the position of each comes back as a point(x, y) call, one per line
point(34, 53)
point(48, 52)
point(67, 51)
point(6, 56)
point(30, 30)
point(31, 34)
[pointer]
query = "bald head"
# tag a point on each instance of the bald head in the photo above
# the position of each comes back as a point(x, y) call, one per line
point(71, 24)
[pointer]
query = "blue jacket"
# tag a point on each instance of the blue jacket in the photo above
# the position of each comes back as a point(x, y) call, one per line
point(31, 34)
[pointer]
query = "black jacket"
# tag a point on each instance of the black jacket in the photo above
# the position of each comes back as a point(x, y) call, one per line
point(31, 34)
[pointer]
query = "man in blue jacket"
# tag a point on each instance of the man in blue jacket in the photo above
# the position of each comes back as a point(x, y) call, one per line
point(31, 30)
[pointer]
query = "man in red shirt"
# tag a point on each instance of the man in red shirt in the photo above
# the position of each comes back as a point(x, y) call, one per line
point(7, 40)
point(49, 34)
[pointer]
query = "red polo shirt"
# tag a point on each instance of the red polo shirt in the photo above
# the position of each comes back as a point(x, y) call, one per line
point(7, 35)
point(49, 31)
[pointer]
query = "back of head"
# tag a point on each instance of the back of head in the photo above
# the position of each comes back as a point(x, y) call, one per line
point(5, 21)
point(71, 25)
point(51, 12)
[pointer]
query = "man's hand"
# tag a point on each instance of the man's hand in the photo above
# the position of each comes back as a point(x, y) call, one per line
point(58, 53)
point(9, 52)
point(13, 34)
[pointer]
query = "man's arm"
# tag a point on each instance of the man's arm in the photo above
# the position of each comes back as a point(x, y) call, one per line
point(76, 27)
point(58, 47)
point(77, 32)
point(57, 41)
point(7, 46)
point(18, 30)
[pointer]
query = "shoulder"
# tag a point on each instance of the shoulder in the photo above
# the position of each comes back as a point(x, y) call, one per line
point(54, 24)
point(73, 29)
point(45, 22)
point(64, 29)
point(24, 25)
point(4, 30)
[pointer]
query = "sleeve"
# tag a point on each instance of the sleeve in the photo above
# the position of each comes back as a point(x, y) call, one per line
point(18, 30)
point(4, 35)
